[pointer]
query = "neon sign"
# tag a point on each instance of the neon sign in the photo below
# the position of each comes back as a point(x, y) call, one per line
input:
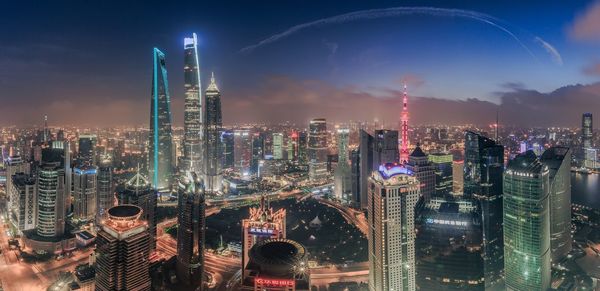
point(262, 282)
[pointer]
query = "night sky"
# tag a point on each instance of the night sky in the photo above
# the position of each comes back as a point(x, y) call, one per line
point(90, 64)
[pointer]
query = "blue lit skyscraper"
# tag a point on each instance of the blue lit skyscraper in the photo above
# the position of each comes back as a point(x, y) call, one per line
point(214, 123)
point(160, 159)
point(193, 122)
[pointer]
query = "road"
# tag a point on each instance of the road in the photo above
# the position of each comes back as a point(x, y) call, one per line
point(352, 216)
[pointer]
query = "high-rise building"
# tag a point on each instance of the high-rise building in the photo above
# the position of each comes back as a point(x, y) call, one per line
point(558, 161)
point(302, 147)
point(87, 149)
point(258, 151)
point(385, 148)
point(193, 122)
point(458, 180)
point(527, 224)
point(122, 251)
point(365, 152)
point(14, 164)
point(442, 164)
point(54, 190)
point(227, 141)
point(190, 231)
point(160, 146)
point(317, 149)
point(105, 193)
point(355, 176)
point(139, 192)
point(278, 146)
point(342, 176)
point(404, 128)
point(483, 168)
point(242, 152)
point(263, 223)
point(85, 192)
point(423, 170)
point(393, 195)
point(214, 151)
point(24, 192)
point(587, 131)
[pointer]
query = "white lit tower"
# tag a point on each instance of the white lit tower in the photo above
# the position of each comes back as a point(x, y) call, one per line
point(404, 128)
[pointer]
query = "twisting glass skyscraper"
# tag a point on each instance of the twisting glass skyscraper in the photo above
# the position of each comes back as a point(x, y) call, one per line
point(214, 124)
point(190, 234)
point(193, 121)
point(160, 161)
point(527, 224)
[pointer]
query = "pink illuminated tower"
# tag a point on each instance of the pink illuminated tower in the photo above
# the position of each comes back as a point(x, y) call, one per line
point(404, 128)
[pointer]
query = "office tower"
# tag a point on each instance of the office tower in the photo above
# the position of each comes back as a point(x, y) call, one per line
point(404, 128)
point(423, 170)
point(54, 190)
point(448, 251)
point(14, 164)
point(385, 148)
point(227, 140)
point(587, 131)
point(483, 168)
point(105, 193)
point(160, 152)
point(214, 151)
point(190, 231)
point(23, 193)
point(442, 165)
point(302, 147)
point(87, 149)
point(139, 192)
point(278, 146)
point(242, 151)
point(355, 177)
point(365, 152)
point(84, 192)
point(317, 149)
point(342, 177)
point(527, 224)
point(122, 251)
point(292, 146)
point(591, 158)
point(558, 161)
point(278, 264)
point(193, 122)
point(393, 195)
point(263, 223)
point(258, 151)
point(458, 177)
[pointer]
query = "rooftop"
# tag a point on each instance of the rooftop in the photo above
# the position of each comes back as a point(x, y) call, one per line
point(392, 169)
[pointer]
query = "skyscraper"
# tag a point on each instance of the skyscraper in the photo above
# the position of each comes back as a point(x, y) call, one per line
point(393, 195)
point(442, 164)
point(385, 148)
point(24, 192)
point(317, 149)
point(214, 152)
point(558, 161)
point(342, 176)
point(190, 231)
point(302, 147)
point(193, 123)
point(258, 151)
point(242, 150)
point(365, 161)
point(527, 224)
point(85, 191)
point(87, 149)
point(355, 176)
point(404, 128)
point(587, 131)
point(14, 164)
point(105, 193)
point(263, 223)
point(227, 141)
point(483, 168)
point(139, 192)
point(160, 153)
point(423, 170)
point(278, 146)
point(122, 251)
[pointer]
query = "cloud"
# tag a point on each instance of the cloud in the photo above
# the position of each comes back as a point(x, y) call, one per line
point(586, 26)
point(592, 70)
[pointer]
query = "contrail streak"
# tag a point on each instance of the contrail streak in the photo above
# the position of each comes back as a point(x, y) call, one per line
point(399, 11)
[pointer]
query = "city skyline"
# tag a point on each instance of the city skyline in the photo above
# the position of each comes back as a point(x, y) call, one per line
point(342, 72)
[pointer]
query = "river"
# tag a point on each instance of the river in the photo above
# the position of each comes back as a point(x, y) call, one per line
point(585, 189)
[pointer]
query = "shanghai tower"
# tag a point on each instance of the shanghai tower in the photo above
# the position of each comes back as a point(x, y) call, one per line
point(160, 164)
point(193, 121)
point(214, 123)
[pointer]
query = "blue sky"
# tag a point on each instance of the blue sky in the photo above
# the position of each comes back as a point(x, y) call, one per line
point(67, 58)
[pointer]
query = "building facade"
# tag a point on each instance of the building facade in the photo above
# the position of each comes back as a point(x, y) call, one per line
point(106, 189)
point(139, 192)
point(214, 151)
point(193, 121)
point(317, 149)
point(419, 164)
point(342, 176)
point(442, 165)
point(85, 180)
